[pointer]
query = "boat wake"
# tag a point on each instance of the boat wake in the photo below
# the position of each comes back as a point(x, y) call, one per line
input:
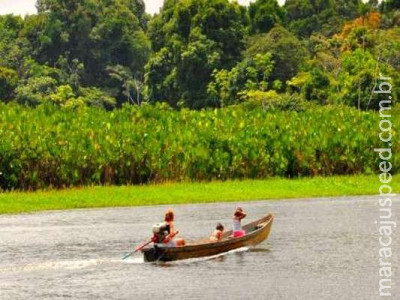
point(135, 260)
point(242, 249)
point(55, 265)
point(207, 258)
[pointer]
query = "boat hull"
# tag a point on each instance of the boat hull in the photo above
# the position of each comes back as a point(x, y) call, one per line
point(256, 232)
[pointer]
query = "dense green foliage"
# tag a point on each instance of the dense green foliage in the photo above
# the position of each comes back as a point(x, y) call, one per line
point(79, 146)
point(306, 17)
point(199, 53)
point(74, 43)
point(8, 83)
point(97, 91)
point(190, 40)
point(264, 14)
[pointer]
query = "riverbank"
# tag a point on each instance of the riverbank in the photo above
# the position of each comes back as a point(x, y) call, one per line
point(184, 193)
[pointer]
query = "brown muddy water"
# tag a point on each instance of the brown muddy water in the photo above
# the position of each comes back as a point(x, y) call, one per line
point(318, 249)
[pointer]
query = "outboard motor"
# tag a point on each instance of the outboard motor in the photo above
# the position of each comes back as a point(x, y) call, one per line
point(160, 231)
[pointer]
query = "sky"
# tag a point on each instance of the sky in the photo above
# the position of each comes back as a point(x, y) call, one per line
point(23, 7)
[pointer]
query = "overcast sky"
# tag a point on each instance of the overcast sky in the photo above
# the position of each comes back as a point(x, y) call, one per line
point(23, 7)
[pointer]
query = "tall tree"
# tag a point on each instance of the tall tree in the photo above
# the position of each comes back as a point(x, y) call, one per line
point(10, 48)
point(96, 33)
point(306, 17)
point(287, 52)
point(388, 5)
point(264, 14)
point(8, 83)
point(391, 13)
point(190, 39)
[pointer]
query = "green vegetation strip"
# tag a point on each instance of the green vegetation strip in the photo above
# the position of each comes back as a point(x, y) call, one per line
point(185, 193)
point(88, 147)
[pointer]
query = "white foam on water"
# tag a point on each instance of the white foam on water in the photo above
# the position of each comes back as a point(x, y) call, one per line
point(135, 260)
point(200, 259)
point(140, 259)
point(242, 249)
point(55, 265)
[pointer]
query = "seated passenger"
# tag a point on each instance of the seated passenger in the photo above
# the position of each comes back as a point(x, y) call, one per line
point(218, 233)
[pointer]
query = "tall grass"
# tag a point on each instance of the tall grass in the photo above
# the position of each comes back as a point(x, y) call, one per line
point(52, 147)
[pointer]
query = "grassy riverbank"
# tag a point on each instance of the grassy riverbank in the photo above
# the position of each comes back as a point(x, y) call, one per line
point(182, 193)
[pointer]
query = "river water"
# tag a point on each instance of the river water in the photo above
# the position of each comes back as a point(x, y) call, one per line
point(318, 249)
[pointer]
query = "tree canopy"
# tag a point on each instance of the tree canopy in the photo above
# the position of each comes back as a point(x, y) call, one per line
point(198, 53)
point(190, 39)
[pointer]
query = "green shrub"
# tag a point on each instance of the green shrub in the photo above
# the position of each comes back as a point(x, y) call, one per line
point(8, 83)
point(36, 90)
point(96, 97)
point(271, 100)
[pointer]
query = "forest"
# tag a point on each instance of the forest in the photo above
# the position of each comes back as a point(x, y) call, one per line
point(100, 92)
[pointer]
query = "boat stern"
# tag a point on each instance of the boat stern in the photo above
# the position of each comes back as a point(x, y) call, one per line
point(154, 253)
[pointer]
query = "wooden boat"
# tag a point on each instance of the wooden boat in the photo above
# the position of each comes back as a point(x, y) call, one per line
point(256, 232)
